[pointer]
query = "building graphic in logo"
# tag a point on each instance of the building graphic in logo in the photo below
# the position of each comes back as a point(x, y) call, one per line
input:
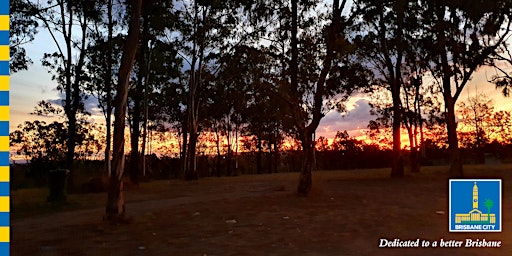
point(475, 205)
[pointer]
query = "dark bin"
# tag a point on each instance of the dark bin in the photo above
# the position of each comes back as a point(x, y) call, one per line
point(57, 180)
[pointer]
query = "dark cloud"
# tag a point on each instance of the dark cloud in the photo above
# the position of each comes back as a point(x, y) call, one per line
point(357, 118)
point(90, 104)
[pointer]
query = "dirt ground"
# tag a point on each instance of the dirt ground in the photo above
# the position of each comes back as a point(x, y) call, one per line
point(346, 214)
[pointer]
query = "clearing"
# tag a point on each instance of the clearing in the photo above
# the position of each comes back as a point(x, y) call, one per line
point(347, 213)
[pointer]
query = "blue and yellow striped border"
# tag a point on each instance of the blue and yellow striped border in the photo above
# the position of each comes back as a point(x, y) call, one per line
point(4, 130)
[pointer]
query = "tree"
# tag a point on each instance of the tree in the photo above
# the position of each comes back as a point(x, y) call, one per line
point(157, 17)
point(64, 18)
point(43, 143)
point(465, 35)
point(103, 50)
point(501, 124)
point(311, 84)
point(23, 28)
point(387, 33)
point(489, 204)
point(206, 32)
point(502, 60)
point(476, 119)
point(115, 210)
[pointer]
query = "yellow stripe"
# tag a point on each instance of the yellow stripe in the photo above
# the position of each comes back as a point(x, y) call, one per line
point(4, 83)
point(4, 174)
point(4, 234)
point(4, 113)
point(4, 204)
point(4, 143)
point(4, 22)
point(4, 52)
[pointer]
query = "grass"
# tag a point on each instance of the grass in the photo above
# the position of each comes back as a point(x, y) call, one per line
point(29, 202)
point(346, 214)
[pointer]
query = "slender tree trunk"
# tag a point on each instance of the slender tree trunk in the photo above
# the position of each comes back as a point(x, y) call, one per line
point(236, 146)
point(108, 85)
point(397, 170)
point(145, 119)
point(270, 155)
point(259, 155)
point(184, 150)
point(68, 106)
point(115, 209)
point(275, 159)
point(228, 154)
point(71, 151)
point(217, 142)
point(108, 121)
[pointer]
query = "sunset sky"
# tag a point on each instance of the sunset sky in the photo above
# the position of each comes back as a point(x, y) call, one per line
point(29, 87)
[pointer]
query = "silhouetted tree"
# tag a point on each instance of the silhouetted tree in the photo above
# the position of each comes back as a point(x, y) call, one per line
point(65, 18)
point(312, 84)
point(22, 29)
point(102, 62)
point(387, 37)
point(459, 37)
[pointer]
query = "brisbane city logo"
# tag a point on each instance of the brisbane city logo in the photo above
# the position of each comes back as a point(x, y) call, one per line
point(475, 205)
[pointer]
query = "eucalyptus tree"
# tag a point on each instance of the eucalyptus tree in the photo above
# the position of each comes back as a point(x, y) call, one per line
point(157, 17)
point(206, 31)
point(502, 62)
point(249, 98)
point(22, 30)
point(68, 23)
point(102, 62)
point(322, 74)
point(115, 210)
point(388, 34)
point(460, 37)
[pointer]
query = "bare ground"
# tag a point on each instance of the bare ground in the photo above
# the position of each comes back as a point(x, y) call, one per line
point(346, 214)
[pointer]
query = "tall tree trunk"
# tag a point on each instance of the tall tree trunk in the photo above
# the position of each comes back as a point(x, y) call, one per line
point(217, 144)
point(307, 131)
point(270, 155)
point(275, 159)
point(305, 181)
point(75, 100)
point(145, 117)
point(451, 125)
point(397, 169)
point(108, 85)
point(115, 209)
point(71, 151)
point(191, 171)
point(184, 149)
point(456, 170)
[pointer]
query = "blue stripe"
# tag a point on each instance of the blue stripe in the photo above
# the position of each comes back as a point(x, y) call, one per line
point(4, 128)
point(4, 159)
point(4, 219)
point(4, 249)
point(4, 7)
point(4, 37)
point(4, 189)
point(4, 68)
point(4, 98)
